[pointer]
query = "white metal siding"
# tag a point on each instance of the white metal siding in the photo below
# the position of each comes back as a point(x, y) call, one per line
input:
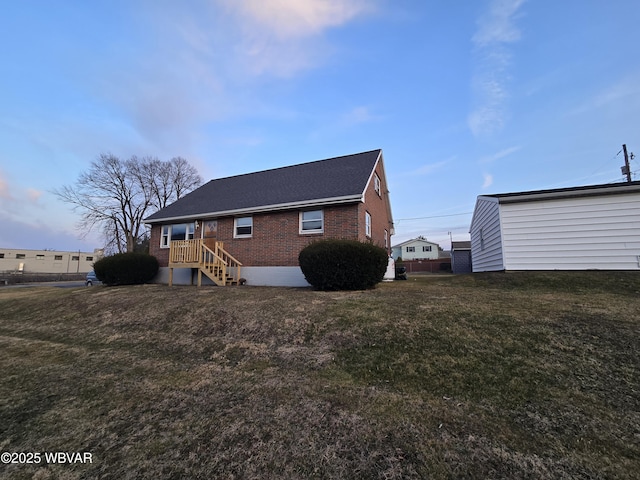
point(601, 232)
point(486, 256)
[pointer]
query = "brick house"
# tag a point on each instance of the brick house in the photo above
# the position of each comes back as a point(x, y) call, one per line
point(254, 225)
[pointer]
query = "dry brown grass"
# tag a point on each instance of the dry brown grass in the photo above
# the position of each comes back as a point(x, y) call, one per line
point(485, 376)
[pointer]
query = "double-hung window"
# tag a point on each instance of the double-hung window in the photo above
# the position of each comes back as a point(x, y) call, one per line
point(376, 184)
point(426, 248)
point(367, 223)
point(311, 221)
point(411, 249)
point(243, 227)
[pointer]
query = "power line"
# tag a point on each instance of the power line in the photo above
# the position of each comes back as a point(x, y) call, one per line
point(435, 216)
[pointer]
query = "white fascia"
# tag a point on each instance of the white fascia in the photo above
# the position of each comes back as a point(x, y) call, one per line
point(322, 202)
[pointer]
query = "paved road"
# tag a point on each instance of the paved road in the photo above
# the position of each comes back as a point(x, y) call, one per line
point(72, 284)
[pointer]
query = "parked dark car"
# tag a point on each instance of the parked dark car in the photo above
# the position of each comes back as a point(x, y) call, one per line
point(92, 279)
point(401, 273)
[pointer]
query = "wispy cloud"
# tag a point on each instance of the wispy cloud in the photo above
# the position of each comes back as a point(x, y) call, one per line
point(626, 89)
point(5, 194)
point(359, 115)
point(202, 64)
point(496, 29)
point(499, 155)
point(426, 169)
point(288, 19)
point(430, 168)
point(282, 37)
point(34, 195)
point(488, 180)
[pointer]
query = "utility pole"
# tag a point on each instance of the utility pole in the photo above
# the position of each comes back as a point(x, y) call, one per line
point(626, 169)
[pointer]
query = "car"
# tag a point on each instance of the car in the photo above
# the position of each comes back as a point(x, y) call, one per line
point(92, 279)
point(401, 273)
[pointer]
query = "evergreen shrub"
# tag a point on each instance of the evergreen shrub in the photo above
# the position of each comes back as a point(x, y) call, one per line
point(126, 268)
point(343, 264)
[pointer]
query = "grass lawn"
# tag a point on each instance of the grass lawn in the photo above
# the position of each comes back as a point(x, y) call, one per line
point(478, 376)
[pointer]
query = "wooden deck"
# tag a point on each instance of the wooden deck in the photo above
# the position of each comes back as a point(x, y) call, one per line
point(216, 263)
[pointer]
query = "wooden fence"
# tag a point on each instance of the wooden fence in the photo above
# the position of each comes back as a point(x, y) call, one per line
point(439, 265)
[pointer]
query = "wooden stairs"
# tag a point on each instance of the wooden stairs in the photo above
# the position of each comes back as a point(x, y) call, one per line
point(215, 263)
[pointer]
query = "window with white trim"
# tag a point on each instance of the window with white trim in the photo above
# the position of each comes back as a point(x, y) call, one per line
point(411, 249)
point(312, 221)
point(367, 223)
point(376, 184)
point(243, 227)
point(426, 248)
point(386, 238)
point(171, 233)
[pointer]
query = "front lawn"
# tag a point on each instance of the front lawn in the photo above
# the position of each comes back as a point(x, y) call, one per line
point(476, 376)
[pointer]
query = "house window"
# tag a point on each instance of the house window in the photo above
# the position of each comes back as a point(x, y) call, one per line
point(58, 258)
point(39, 257)
point(482, 239)
point(164, 238)
point(426, 248)
point(411, 249)
point(75, 258)
point(243, 227)
point(312, 221)
point(386, 239)
point(89, 259)
point(376, 184)
point(367, 223)
point(1, 255)
point(20, 255)
point(171, 233)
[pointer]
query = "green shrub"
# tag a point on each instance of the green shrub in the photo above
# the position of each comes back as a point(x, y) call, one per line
point(126, 268)
point(343, 264)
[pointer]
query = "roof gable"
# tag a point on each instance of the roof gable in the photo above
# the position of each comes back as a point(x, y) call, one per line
point(334, 180)
point(415, 241)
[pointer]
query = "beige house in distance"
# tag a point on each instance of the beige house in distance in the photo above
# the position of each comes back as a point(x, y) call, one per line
point(416, 249)
point(14, 260)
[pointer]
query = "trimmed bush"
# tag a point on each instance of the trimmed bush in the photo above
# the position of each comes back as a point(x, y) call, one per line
point(343, 264)
point(126, 268)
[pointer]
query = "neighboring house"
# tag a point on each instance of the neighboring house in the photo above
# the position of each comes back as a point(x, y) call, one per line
point(580, 228)
point(416, 249)
point(47, 261)
point(461, 257)
point(253, 226)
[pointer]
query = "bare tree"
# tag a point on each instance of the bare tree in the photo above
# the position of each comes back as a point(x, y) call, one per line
point(117, 195)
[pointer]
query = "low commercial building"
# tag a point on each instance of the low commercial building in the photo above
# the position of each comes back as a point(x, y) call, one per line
point(14, 260)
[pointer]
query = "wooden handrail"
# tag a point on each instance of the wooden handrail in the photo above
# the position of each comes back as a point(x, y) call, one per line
point(215, 262)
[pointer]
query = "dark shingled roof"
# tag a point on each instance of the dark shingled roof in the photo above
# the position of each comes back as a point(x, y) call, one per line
point(314, 182)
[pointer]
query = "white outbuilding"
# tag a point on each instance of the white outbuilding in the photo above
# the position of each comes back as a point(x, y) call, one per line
point(594, 227)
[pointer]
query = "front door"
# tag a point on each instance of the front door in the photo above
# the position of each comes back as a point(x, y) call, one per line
point(210, 233)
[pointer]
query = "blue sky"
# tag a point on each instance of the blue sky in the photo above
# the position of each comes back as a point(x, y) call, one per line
point(464, 97)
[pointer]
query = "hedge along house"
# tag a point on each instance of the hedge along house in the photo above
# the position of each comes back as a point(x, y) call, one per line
point(253, 226)
point(593, 227)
